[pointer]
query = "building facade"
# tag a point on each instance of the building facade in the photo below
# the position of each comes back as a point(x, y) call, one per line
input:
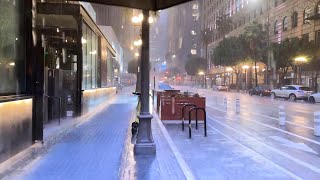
point(281, 19)
point(55, 63)
point(184, 35)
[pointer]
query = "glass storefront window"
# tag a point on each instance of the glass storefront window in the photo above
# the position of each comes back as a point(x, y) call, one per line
point(90, 52)
point(12, 48)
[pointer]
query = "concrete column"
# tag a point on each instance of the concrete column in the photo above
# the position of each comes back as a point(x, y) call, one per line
point(145, 144)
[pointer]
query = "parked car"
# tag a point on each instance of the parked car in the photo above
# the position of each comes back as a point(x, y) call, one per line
point(260, 91)
point(292, 92)
point(314, 98)
point(221, 88)
point(163, 86)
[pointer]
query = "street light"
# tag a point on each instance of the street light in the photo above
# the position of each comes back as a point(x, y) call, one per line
point(137, 42)
point(136, 54)
point(201, 73)
point(230, 69)
point(300, 60)
point(245, 67)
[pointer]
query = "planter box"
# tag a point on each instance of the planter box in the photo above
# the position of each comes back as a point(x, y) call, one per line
point(171, 107)
point(167, 93)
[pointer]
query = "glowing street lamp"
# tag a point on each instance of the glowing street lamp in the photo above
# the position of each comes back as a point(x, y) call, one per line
point(301, 59)
point(201, 73)
point(136, 54)
point(137, 42)
point(230, 69)
point(150, 20)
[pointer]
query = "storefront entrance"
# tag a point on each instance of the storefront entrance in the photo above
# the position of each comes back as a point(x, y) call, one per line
point(60, 56)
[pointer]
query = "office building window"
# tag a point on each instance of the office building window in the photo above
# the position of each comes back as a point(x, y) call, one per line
point(318, 38)
point(285, 24)
point(306, 15)
point(12, 48)
point(294, 19)
point(275, 29)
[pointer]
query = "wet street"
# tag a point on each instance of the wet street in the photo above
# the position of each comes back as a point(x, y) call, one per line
point(292, 149)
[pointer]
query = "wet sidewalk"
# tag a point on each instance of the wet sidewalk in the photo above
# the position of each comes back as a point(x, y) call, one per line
point(102, 148)
point(92, 150)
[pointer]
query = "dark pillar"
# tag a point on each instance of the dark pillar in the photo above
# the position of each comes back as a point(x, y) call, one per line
point(145, 144)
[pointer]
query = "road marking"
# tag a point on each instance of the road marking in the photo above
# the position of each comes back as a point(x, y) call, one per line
point(307, 127)
point(273, 118)
point(266, 125)
point(307, 165)
point(264, 158)
point(183, 165)
point(291, 144)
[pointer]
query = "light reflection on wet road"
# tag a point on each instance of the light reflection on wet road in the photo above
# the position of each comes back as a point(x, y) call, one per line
point(293, 146)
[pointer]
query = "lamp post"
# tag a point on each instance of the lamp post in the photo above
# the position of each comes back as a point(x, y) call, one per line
point(229, 70)
point(145, 144)
point(201, 73)
point(298, 61)
point(245, 67)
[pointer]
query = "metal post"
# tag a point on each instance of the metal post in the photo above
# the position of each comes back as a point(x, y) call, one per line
point(145, 144)
point(196, 119)
point(238, 106)
point(225, 103)
point(282, 116)
point(183, 113)
point(317, 123)
point(245, 89)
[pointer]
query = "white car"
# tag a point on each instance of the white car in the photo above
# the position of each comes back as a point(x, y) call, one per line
point(314, 98)
point(292, 92)
point(221, 88)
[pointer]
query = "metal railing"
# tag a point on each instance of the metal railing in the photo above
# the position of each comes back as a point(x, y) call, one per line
point(183, 113)
point(205, 120)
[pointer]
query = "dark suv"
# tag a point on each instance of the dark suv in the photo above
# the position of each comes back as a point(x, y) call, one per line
point(260, 91)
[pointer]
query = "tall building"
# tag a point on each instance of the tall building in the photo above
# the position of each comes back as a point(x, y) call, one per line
point(183, 33)
point(120, 20)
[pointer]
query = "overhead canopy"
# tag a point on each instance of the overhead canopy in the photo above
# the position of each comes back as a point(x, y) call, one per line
point(151, 5)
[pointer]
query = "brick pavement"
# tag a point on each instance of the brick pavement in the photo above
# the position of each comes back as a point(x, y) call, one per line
point(101, 148)
point(92, 150)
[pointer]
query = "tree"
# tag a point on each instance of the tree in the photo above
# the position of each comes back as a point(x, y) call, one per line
point(284, 53)
point(232, 52)
point(258, 42)
point(194, 65)
point(224, 24)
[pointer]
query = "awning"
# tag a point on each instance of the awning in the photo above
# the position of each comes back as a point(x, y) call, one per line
point(151, 5)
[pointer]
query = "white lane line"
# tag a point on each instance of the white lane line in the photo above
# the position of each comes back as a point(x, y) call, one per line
point(307, 165)
point(266, 125)
point(183, 165)
point(273, 118)
point(307, 127)
point(264, 158)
